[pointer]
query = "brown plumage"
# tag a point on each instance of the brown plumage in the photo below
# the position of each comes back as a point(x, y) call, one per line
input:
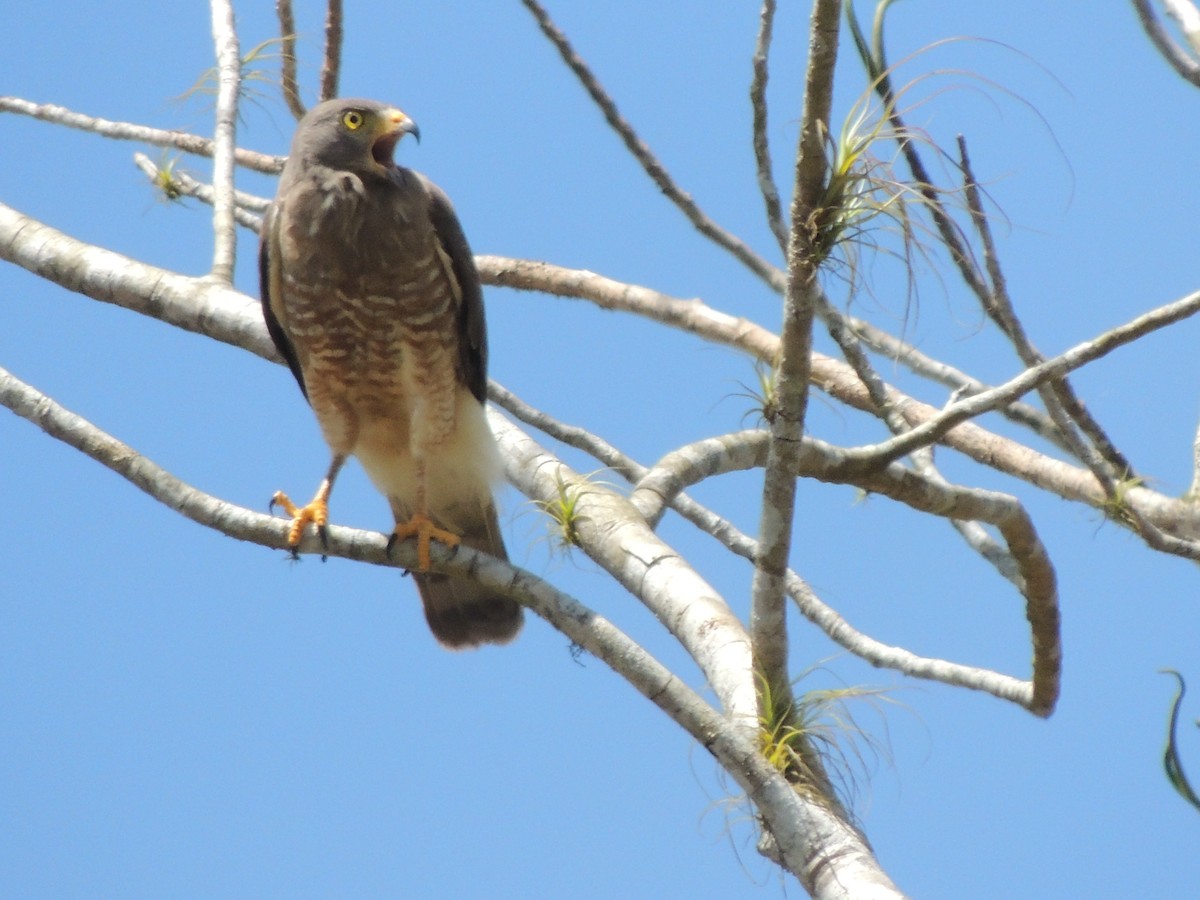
point(370, 293)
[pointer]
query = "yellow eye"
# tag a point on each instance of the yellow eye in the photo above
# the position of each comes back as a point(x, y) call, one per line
point(353, 119)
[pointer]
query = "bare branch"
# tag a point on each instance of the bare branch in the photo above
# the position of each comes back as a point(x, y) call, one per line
point(182, 184)
point(1181, 61)
point(762, 143)
point(126, 131)
point(1063, 404)
point(233, 318)
point(613, 534)
point(768, 621)
point(662, 485)
point(841, 382)
point(648, 161)
point(332, 68)
point(571, 435)
point(1188, 16)
point(956, 380)
point(229, 77)
point(689, 315)
point(287, 58)
point(625, 547)
point(935, 428)
point(193, 304)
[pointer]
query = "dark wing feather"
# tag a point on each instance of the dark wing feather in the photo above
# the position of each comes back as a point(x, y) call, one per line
point(268, 281)
point(472, 332)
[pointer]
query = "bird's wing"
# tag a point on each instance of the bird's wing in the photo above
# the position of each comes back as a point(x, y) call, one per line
point(456, 255)
point(270, 288)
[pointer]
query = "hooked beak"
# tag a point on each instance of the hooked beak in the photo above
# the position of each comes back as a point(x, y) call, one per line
point(393, 125)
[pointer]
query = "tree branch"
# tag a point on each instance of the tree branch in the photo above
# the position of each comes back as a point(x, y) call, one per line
point(613, 534)
point(287, 58)
point(768, 621)
point(761, 139)
point(229, 76)
point(1181, 61)
point(805, 832)
point(193, 304)
point(648, 161)
point(1063, 404)
point(841, 382)
point(125, 131)
point(172, 181)
point(935, 428)
point(1035, 576)
point(332, 68)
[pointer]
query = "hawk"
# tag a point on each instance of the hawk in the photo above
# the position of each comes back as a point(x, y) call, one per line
point(370, 292)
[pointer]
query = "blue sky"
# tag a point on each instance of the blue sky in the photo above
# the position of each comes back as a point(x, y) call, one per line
point(182, 714)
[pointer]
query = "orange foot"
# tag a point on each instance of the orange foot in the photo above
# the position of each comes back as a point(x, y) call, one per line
point(423, 528)
point(316, 512)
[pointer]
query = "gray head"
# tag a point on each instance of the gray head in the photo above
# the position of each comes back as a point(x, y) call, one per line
point(351, 134)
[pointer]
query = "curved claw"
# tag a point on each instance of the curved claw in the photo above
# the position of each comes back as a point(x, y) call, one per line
point(316, 512)
point(424, 530)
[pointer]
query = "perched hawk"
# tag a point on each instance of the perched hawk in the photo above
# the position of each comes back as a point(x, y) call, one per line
point(371, 295)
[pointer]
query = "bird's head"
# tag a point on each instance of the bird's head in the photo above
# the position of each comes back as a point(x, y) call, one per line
point(354, 135)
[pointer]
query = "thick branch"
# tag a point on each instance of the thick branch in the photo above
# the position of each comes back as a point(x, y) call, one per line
point(802, 830)
point(193, 304)
point(624, 546)
point(768, 622)
point(1034, 574)
point(229, 77)
point(612, 533)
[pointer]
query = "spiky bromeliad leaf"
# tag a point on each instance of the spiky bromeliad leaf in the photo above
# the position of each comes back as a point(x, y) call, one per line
point(1171, 761)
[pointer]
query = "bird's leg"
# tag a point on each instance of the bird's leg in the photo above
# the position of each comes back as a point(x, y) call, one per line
point(420, 526)
point(317, 510)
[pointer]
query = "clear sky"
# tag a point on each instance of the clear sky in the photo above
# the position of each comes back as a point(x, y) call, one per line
point(182, 714)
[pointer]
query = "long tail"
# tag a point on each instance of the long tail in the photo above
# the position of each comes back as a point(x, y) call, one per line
point(461, 613)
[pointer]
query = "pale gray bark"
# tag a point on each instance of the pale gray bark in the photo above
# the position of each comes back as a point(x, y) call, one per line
point(809, 833)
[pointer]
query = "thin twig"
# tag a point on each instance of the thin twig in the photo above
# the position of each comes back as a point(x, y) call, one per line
point(970, 407)
point(127, 131)
point(287, 58)
point(331, 70)
point(571, 435)
point(648, 161)
point(1062, 403)
point(959, 382)
point(185, 185)
point(762, 143)
point(229, 69)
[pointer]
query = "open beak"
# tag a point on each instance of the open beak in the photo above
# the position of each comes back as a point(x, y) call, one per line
point(393, 125)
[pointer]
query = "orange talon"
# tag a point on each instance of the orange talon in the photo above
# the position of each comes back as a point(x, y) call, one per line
point(423, 528)
point(316, 512)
